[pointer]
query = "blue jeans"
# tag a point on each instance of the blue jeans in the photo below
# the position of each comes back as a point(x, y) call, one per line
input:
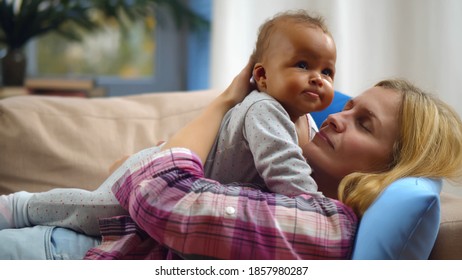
point(44, 243)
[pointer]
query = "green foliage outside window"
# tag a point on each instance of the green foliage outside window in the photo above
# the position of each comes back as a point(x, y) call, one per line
point(107, 52)
point(59, 23)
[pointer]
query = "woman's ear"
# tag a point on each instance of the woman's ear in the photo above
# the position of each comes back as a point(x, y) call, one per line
point(259, 76)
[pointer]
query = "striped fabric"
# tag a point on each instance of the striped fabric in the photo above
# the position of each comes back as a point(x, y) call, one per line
point(176, 213)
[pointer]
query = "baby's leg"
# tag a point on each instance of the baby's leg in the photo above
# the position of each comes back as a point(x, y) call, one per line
point(13, 210)
point(77, 209)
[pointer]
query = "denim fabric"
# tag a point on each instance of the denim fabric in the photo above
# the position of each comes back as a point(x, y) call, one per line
point(44, 243)
point(67, 244)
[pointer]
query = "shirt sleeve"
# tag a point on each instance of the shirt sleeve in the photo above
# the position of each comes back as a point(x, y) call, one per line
point(170, 200)
point(279, 160)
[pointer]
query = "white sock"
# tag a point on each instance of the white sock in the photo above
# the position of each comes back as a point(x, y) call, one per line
point(13, 210)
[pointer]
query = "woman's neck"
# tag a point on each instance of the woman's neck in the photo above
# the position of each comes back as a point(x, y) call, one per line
point(326, 184)
point(302, 128)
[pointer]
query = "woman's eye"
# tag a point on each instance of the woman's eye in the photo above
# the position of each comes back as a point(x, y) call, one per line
point(366, 128)
point(302, 65)
point(364, 125)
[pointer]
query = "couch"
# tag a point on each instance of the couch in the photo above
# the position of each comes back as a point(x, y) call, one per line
point(69, 142)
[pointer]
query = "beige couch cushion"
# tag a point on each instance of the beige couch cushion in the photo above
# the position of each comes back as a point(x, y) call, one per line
point(70, 142)
point(448, 244)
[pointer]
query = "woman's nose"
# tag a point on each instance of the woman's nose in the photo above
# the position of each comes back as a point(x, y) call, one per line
point(335, 122)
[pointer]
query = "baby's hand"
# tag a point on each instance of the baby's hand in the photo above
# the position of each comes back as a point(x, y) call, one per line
point(117, 163)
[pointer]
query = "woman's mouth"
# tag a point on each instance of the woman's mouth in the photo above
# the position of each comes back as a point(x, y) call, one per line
point(325, 138)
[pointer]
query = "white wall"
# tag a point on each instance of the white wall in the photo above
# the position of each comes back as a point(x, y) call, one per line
point(420, 40)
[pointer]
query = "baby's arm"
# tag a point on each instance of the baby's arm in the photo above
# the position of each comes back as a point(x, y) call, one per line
point(278, 158)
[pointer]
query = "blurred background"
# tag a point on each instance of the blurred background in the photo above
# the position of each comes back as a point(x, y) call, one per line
point(125, 46)
point(420, 40)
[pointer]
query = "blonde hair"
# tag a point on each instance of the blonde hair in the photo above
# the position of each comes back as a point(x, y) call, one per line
point(266, 29)
point(429, 144)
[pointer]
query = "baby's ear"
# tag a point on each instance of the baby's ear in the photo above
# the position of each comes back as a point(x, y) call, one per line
point(259, 76)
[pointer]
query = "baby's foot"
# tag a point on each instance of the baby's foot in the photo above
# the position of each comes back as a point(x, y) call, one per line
point(13, 210)
point(6, 215)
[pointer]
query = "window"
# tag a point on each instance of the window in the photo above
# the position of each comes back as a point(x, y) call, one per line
point(109, 52)
point(146, 58)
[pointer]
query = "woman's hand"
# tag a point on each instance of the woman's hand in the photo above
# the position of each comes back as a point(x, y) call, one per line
point(241, 85)
point(200, 133)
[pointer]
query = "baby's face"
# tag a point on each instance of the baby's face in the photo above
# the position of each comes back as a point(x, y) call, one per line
point(299, 68)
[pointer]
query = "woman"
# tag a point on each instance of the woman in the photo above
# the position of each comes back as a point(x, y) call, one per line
point(392, 130)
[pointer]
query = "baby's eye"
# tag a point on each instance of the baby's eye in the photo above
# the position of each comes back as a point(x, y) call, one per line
point(328, 72)
point(302, 65)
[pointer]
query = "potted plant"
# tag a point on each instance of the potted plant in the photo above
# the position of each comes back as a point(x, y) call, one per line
point(23, 20)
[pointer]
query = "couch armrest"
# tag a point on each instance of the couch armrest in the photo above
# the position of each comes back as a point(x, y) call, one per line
point(50, 142)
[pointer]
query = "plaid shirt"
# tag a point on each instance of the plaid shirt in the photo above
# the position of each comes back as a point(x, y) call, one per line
point(175, 213)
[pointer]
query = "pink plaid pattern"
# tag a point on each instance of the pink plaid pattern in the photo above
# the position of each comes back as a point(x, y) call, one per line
point(176, 213)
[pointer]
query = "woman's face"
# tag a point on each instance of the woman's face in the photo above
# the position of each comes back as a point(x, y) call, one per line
point(360, 138)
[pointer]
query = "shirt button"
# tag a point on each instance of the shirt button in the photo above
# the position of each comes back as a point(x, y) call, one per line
point(230, 210)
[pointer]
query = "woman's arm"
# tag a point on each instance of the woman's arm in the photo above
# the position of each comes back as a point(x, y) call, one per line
point(200, 133)
point(171, 201)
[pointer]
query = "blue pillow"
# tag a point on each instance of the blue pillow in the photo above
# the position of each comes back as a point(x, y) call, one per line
point(403, 221)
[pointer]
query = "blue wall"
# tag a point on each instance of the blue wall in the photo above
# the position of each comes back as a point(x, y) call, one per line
point(199, 49)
